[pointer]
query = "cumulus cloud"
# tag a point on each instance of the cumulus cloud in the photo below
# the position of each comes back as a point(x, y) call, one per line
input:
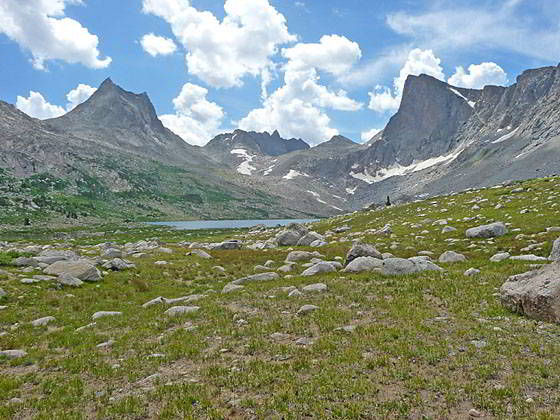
point(448, 26)
point(222, 53)
point(297, 109)
point(478, 76)
point(196, 119)
point(369, 134)
point(157, 45)
point(41, 27)
point(419, 61)
point(36, 106)
point(79, 95)
point(334, 54)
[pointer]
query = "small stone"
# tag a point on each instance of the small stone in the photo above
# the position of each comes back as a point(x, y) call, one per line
point(471, 272)
point(101, 314)
point(451, 257)
point(306, 309)
point(474, 413)
point(106, 344)
point(229, 288)
point(180, 310)
point(295, 293)
point(42, 321)
point(304, 341)
point(315, 288)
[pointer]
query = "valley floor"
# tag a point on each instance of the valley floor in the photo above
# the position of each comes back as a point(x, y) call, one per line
point(426, 345)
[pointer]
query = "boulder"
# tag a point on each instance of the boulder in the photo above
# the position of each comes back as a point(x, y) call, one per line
point(200, 253)
point(487, 231)
point(451, 257)
point(306, 309)
point(309, 238)
point(112, 253)
point(288, 238)
point(228, 288)
point(315, 288)
point(528, 257)
point(67, 279)
point(401, 266)
point(42, 321)
point(362, 250)
point(102, 314)
point(361, 264)
point(80, 269)
point(25, 262)
point(320, 267)
point(301, 256)
point(228, 245)
point(500, 257)
point(471, 272)
point(535, 294)
point(257, 278)
point(555, 254)
point(180, 310)
point(117, 264)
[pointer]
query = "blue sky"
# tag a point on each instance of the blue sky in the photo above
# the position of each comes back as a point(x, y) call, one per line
point(329, 66)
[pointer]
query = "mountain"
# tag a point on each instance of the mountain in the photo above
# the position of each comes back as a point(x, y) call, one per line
point(111, 158)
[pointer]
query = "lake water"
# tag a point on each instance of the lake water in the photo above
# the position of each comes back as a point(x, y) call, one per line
point(229, 224)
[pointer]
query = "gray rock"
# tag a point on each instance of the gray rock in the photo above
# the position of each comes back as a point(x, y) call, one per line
point(295, 293)
point(471, 272)
point(451, 257)
point(315, 288)
point(80, 269)
point(257, 278)
point(288, 238)
point(13, 354)
point(228, 245)
point(306, 309)
point(50, 256)
point(69, 280)
point(448, 229)
point(528, 257)
point(309, 238)
point(301, 256)
point(286, 268)
point(342, 229)
point(180, 310)
point(42, 321)
point(112, 253)
point(102, 314)
point(304, 341)
point(117, 264)
point(361, 264)
point(500, 257)
point(200, 253)
point(318, 243)
point(555, 254)
point(229, 288)
point(25, 262)
point(3, 293)
point(401, 266)
point(535, 294)
point(362, 250)
point(487, 231)
point(321, 267)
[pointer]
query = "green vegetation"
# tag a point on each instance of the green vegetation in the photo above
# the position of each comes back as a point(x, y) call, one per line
point(429, 345)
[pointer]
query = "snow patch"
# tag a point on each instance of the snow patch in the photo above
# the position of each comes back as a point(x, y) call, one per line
point(506, 137)
point(293, 173)
point(268, 170)
point(245, 168)
point(456, 92)
point(399, 170)
point(351, 191)
point(317, 197)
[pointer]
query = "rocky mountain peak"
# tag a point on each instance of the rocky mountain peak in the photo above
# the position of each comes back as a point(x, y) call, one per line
point(338, 142)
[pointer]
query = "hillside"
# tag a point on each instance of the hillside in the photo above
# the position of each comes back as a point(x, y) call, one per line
point(196, 327)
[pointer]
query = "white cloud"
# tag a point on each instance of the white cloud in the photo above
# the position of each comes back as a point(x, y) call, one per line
point(79, 95)
point(41, 27)
point(368, 135)
point(35, 105)
point(498, 25)
point(334, 54)
point(157, 45)
point(382, 99)
point(478, 76)
point(222, 53)
point(296, 109)
point(196, 119)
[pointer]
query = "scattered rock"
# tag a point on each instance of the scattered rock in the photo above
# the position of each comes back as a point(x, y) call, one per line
point(42, 321)
point(314, 288)
point(304, 341)
point(67, 279)
point(295, 293)
point(13, 354)
point(117, 264)
point(451, 257)
point(321, 267)
point(500, 257)
point(79, 269)
point(180, 310)
point(361, 264)
point(228, 245)
point(529, 257)
point(535, 294)
point(101, 314)
point(301, 256)
point(401, 266)
point(228, 288)
point(487, 231)
point(362, 250)
point(200, 253)
point(306, 309)
point(471, 272)
point(309, 238)
point(555, 254)
point(257, 278)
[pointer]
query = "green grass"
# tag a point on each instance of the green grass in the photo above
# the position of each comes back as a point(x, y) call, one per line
point(412, 354)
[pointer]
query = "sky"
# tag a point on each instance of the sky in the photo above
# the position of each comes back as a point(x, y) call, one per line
point(311, 69)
